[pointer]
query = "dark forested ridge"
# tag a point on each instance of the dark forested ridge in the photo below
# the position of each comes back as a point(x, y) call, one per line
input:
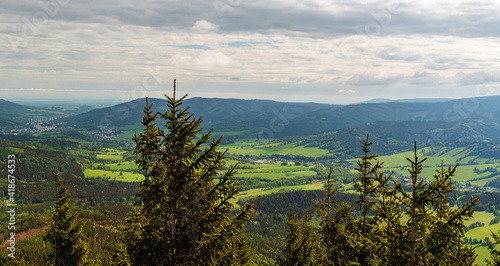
point(359, 114)
point(223, 113)
point(472, 119)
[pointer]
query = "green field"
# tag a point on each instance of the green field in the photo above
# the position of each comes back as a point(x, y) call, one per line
point(399, 164)
point(453, 156)
point(482, 232)
point(253, 193)
point(122, 166)
point(257, 149)
point(110, 155)
point(125, 176)
point(272, 171)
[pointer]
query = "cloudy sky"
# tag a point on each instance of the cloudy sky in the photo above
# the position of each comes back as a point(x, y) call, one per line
point(329, 51)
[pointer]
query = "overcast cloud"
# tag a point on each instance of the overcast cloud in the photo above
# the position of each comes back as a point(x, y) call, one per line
point(287, 50)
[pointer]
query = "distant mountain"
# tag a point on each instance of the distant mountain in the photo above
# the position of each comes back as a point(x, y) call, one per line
point(279, 119)
point(223, 114)
point(397, 136)
point(9, 108)
point(11, 114)
point(416, 100)
point(15, 115)
point(333, 119)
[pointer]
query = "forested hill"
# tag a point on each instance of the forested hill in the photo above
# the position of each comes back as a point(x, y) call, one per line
point(10, 112)
point(396, 136)
point(327, 120)
point(227, 113)
point(395, 123)
point(13, 114)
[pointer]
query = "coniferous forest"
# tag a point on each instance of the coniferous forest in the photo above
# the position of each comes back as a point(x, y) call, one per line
point(183, 194)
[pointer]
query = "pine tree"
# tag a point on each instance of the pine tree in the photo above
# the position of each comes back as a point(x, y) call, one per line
point(417, 224)
point(302, 246)
point(183, 215)
point(367, 190)
point(65, 232)
point(401, 222)
point(120, 258)
point(336, 227)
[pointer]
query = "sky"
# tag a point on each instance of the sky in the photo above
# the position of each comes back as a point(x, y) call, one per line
point(327, 51)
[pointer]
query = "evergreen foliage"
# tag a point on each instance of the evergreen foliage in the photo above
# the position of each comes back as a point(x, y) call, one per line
point(335, 226)
point(65, 232)
point(494, 254)
point(400, 222)
point(302, 246)
point(419, 227)
point(183, 215)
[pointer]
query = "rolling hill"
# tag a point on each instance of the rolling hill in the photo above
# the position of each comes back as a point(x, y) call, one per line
point(397, 136)
point(224, 114)
point(328, 120)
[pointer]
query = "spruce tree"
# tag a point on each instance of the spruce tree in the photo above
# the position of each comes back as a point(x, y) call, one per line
point(417, 225)
point(65, 232)
point(367, 190)
point(336, 227)
point(402, 221)
point(302, 246)
point(184, 209)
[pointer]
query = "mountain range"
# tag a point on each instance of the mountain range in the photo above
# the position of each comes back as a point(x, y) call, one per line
point(395, 123)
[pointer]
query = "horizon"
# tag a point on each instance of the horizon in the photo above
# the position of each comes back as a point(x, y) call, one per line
point(109, 103)
point(335, 53)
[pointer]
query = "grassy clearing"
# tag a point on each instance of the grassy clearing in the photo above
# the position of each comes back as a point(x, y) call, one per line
point(256, 149)
point(110, 155)
point(274, 171)
point(125, 177)
point(14, 150)
point(272, 176)
point(122, 166)
point(253, 193)
point(126, 135)
point(481, 232)
point(482, 253)
point(449, 157)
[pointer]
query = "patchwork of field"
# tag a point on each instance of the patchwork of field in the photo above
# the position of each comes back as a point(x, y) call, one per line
point(399, 164)
point(253, 193)
point(255, 148)
point(115, 168)
point(480, 233)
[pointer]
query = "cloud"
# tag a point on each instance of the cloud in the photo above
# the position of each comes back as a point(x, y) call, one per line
point(94, 45)
point(347, 91)
point(210, 59)
point(204, 25)
point(424, 78)
point(374, 79)
point(396, 53)
point(477, 78)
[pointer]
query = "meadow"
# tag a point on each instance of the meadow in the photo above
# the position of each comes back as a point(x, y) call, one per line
point(398, 164)
point(266, 148)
